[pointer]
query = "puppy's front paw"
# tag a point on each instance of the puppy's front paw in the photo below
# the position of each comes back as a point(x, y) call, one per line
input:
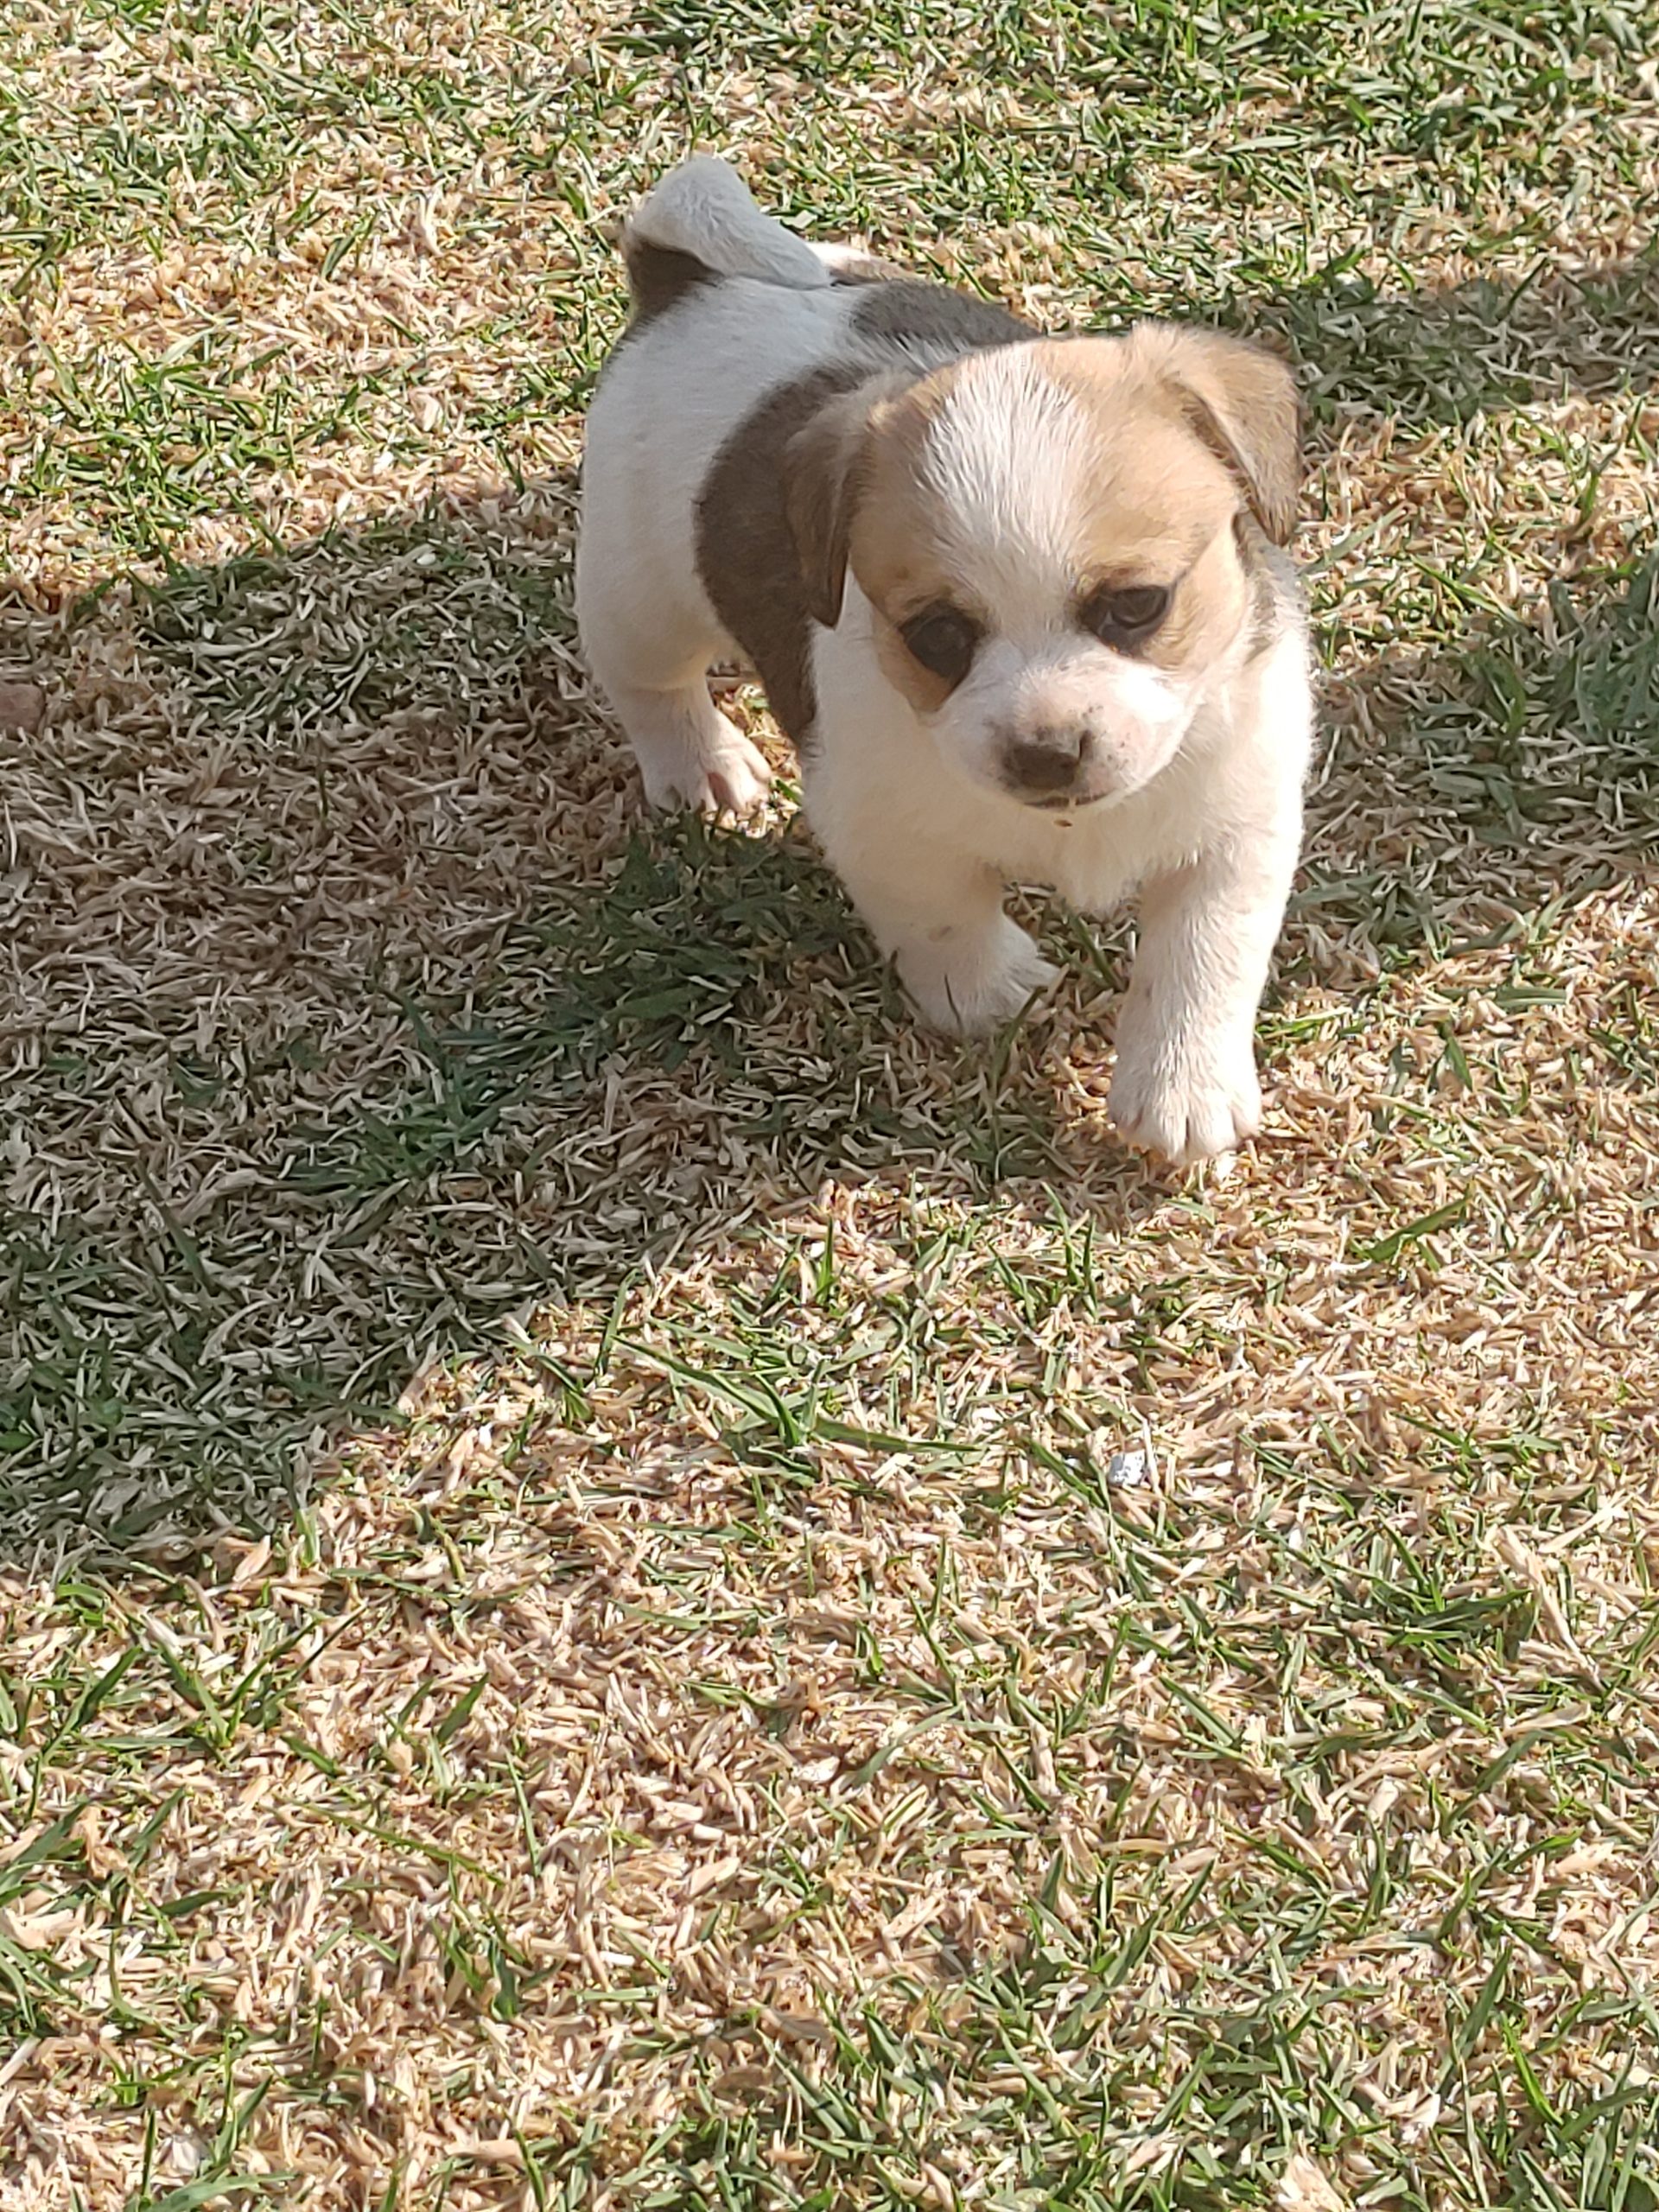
point(1188, 1105)
point(966, 984)
point(718, 772)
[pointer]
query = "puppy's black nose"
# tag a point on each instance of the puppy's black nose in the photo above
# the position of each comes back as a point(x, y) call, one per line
point(1046, 760)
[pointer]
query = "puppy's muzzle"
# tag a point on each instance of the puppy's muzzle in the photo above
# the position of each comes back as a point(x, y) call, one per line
point(1054, 768)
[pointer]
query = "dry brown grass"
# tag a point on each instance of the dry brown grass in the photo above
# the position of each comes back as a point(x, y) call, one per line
point(893, 1652)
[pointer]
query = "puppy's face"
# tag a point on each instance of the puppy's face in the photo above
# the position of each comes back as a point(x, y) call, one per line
point(1045, 533)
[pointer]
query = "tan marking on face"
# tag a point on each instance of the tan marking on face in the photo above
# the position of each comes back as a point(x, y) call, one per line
point(1154, 503)
point(1242, 403)
point(926, 691)
point(1161, 508)
point(898, 551)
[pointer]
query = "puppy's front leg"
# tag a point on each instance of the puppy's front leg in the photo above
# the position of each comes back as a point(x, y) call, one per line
point(1185, 1084)
point(938, 917)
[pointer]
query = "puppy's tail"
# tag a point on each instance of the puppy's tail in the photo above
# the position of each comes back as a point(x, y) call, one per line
point(700, 222)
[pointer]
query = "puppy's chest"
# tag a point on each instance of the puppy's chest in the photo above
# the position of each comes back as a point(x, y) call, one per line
point(1092, 861)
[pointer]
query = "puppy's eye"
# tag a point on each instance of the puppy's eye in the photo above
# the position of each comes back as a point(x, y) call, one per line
point(944, 641)
point(1124, 615)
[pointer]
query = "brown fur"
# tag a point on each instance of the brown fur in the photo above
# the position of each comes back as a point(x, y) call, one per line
point(824, 464)
point(659, 277)
point(931, 315)
point(1242, 400)
point(748, 554)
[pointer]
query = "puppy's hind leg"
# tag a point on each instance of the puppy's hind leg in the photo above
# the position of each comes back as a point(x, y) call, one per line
point(652, 663)
point(689, 754)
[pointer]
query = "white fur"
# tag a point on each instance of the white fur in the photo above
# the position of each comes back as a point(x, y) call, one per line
point(1006, 459)
point(1211, 843)
point(1203, 779)
point(659, 417)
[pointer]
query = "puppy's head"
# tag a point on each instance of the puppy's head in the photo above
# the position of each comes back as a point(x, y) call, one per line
point(1046, 533)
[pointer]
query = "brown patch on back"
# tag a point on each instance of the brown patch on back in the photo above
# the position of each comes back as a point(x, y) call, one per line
point(745, 548)
point(932, 315)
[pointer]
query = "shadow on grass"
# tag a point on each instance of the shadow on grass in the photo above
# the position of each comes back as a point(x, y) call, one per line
point(354, 1014)
point(355, 1011)
point(1516, 773)
point(1439, 355)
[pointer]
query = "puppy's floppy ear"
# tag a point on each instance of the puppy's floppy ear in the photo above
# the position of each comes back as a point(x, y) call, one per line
point(1243, 402)
point(823, 468)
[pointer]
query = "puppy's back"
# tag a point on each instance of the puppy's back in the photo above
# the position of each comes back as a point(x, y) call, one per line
point(739, 329)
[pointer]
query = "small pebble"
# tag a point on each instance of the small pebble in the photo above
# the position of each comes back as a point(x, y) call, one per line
point(22, 706)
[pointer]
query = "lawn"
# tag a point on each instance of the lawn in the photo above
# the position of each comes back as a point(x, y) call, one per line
point(623, 1583)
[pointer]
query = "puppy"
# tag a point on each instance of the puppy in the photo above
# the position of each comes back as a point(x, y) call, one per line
point(1018, 602)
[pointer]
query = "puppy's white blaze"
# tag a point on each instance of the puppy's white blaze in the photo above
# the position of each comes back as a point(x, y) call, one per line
point(1004, 457)
point(1082, 679)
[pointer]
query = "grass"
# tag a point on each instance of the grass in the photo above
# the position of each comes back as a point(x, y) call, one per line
point(625, 1584)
